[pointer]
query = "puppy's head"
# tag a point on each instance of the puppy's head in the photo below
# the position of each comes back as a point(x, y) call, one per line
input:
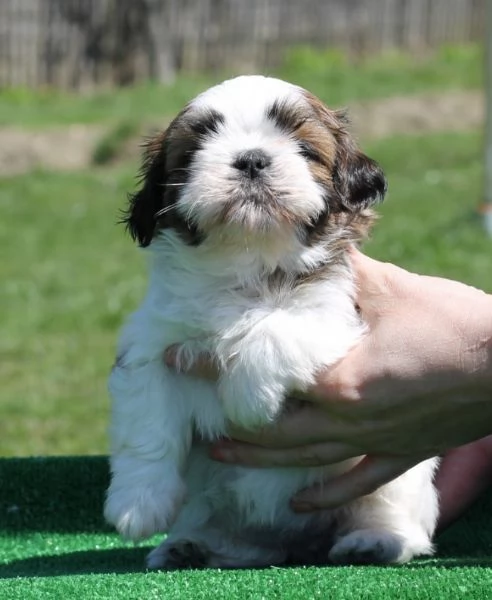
point(255, 156)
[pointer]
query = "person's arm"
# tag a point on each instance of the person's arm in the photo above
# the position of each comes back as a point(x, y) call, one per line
point(419, 384)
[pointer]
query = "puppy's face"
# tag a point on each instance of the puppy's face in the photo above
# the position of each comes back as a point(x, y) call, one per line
point(253, 156)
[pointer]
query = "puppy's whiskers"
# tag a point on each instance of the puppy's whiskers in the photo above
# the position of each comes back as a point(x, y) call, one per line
point(166, 209)
point(191, 209)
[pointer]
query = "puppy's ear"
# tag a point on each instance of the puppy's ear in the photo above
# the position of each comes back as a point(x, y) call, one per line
point(145, 205)
point(358, 180)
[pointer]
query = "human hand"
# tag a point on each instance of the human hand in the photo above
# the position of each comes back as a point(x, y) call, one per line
point(416, 386)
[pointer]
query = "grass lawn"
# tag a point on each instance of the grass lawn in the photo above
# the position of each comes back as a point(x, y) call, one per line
point(330, 75)
point(71, 275)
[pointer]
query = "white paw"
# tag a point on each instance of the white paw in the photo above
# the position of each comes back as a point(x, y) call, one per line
point(246, 403)
point(179, 554)
point(141, 511)
point(368, 546)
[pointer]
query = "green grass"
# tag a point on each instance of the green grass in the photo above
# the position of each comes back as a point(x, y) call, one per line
point(71, 275)
point(54, 544)
point(337, 79)
point(429, 222)
point(144, 102)
point(111, 144)
point(329, 74)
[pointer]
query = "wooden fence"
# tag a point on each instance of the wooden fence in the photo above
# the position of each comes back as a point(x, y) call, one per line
point(90, 43)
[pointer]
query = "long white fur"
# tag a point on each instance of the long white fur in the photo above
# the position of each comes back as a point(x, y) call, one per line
point(216, 299)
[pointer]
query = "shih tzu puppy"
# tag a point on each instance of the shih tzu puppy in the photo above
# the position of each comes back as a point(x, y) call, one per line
point(248, 204)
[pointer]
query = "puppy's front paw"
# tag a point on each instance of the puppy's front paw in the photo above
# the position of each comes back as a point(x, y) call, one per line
point(368, 546)
point(248, 403)
point(179, 554)
point(139, 512)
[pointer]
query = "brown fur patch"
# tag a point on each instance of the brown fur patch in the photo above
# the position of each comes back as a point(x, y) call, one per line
point(165, 170)
point(352, 180)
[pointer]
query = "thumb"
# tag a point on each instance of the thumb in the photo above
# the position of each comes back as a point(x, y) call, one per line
point(377, 283)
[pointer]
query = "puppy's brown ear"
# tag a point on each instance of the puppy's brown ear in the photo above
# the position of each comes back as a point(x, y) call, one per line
point(358, 180)
point(145, 205)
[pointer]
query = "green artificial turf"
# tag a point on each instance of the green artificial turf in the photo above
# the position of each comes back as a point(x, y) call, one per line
point(54, 544)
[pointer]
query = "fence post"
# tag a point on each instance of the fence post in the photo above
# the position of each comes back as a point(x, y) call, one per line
point(487, 205)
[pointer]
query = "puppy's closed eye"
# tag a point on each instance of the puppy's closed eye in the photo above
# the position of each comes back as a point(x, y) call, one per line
point(309, 152)
point(208, 123)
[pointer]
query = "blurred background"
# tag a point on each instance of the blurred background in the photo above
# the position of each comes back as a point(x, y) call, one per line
point(82, 81)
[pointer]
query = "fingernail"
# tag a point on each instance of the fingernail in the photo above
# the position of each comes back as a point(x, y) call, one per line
point(222, 452)
point(170, 356)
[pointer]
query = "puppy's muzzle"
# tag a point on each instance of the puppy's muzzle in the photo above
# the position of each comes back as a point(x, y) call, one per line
point(252, 163)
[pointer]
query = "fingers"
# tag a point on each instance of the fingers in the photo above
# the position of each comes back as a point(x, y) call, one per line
point(304, 456)
point(464, 474)
point(367, 476)
point(369, 274)
point(379, 284)
point(365, 267)
point(340, 385)
point(309, 425)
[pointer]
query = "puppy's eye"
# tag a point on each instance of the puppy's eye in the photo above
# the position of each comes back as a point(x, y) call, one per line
point(308, 151)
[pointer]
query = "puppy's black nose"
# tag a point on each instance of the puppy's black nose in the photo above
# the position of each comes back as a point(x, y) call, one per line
point(252, 162)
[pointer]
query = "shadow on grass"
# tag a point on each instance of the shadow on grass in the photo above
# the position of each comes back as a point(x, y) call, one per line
point(450, 562)
point(132, 560)
point(120, 560)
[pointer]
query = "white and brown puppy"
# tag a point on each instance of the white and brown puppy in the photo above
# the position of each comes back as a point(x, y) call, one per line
point(249, 202)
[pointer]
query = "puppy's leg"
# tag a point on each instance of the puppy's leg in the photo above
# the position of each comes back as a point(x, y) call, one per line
point(280, 352)
point(208, 531)
point(186, 546)
point(260, 368)
point(369, 546)
point(392, 525)
point(150, 437)
point(211, 547)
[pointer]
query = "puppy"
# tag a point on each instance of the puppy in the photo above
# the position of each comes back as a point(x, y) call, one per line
point(248, 203)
